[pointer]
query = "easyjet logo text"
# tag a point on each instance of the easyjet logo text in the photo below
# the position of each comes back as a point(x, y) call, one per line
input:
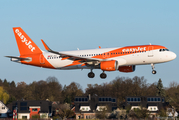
point(134, 49)
point(24, 40)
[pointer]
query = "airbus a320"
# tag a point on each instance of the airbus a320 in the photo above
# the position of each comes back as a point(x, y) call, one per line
point(123, 59)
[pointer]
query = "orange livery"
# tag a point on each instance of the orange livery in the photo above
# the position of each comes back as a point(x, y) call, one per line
point(123, 59)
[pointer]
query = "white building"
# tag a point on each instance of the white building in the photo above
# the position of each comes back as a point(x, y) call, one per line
point(3, 110)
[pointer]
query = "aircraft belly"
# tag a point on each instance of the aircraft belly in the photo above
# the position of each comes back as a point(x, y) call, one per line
point(137, 59)
point(130, 60)
point(66, 64)
point(74, 67)
point(60, 63)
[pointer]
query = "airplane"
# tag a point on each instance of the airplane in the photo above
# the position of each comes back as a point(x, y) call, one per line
point(123, 59)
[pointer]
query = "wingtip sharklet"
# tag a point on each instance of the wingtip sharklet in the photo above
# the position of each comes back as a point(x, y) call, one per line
point(45, 45)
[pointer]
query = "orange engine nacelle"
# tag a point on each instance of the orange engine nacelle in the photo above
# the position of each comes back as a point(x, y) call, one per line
point(109, 65)
point(130, 68)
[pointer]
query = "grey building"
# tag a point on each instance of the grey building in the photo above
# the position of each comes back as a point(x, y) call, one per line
point(87, 106)
point(152, 103)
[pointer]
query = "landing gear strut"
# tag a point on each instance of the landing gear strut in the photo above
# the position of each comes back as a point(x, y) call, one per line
point(153, 67)
point(103, 75)
point(91, 74)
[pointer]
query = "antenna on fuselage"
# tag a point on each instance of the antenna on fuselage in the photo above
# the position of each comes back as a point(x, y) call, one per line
point(78, 49)
point(150, 43)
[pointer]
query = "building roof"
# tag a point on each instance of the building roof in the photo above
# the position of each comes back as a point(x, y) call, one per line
point(93, 102)
point(3, 105)
point(23, 106)
point(146, 101)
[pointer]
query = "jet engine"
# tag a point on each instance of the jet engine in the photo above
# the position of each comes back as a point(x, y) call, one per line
point(109, 65)
point(130, 68)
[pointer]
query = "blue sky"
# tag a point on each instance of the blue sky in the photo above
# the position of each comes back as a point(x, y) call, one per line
point(87, 24)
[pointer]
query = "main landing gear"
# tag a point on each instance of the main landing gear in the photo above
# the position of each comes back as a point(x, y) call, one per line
point(153, 67)
point(102, 75)
point(91, 74)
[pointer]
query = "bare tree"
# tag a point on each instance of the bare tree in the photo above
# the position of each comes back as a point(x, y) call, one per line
point(63, 111)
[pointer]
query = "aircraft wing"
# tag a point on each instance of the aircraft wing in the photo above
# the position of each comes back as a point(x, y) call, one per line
point(70, 57)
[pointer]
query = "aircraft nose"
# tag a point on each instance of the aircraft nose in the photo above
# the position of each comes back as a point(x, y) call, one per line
point(173, 55)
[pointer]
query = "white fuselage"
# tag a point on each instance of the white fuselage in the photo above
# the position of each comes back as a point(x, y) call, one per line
point(141, 58)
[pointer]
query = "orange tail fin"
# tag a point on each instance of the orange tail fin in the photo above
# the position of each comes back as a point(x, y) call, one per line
point(25, 44)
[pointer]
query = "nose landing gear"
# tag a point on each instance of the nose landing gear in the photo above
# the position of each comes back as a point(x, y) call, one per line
point(153, 67)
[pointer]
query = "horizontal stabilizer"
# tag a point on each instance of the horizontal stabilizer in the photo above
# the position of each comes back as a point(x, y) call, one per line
point(18, 58)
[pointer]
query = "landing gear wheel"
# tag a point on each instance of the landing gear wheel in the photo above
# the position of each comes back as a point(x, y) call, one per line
point(153, 67)
point(103, 75)
point(154, 72)
point(91, 75)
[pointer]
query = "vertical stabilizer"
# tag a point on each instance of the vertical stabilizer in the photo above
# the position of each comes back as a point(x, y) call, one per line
point(25, 44)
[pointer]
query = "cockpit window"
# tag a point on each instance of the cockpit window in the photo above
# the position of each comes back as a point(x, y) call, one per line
point(163, 50)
